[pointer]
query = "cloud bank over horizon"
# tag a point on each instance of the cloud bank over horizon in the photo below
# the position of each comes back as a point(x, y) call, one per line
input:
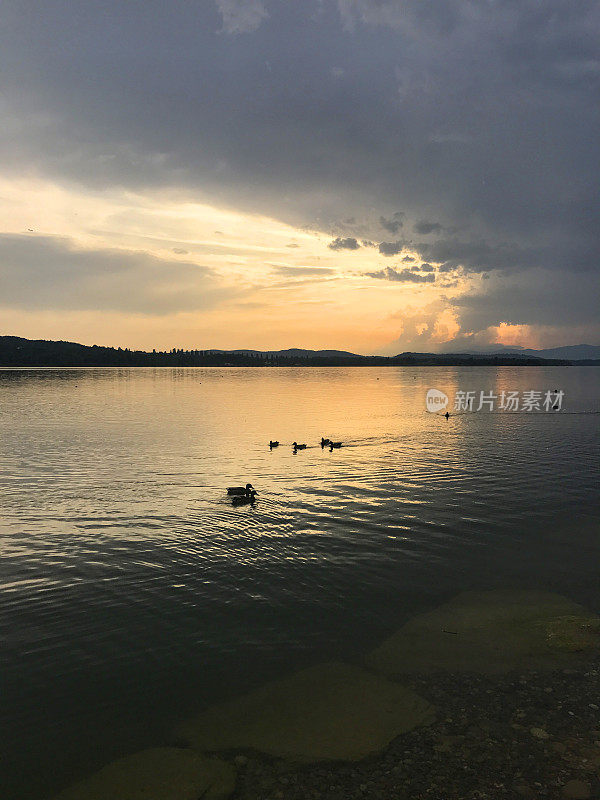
point(425, 171)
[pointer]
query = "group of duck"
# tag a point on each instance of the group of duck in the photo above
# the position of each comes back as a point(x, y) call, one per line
point(324, 443)
point(245, 495)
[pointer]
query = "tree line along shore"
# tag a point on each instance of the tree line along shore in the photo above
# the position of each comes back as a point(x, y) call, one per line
point(19, 352)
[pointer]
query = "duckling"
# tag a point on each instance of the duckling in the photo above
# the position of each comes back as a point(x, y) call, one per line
point(297, 446)
point(273, 444)
point(325, 442)
point(240, 490)
point(334, 444)
point(243, 500)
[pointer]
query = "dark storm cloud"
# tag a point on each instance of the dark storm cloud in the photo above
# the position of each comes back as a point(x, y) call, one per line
point(390, 248)
point(425, 227)
point(480, 255)
point(535, 297)
point(404, 276)
point(50, 273)
point(481, 115)
point(393, 224)
point(349, 243)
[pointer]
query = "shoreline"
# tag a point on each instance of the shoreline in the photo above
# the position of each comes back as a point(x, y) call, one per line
point(517, 735)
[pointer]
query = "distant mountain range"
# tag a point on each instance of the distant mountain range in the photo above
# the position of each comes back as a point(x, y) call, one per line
point(574, 352)
point(18, 352)
point(293, 352)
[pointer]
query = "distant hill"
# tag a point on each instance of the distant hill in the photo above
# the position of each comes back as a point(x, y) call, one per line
point(574, 352)
point(293, 352)
point(16, 351)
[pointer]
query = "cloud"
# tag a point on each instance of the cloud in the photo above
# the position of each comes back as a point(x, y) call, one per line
point(480, 255)
point(344, 244)
point(448, 266)
point(405, 276)
point(407, 259)
point(425, 227)
point(52, 273)
point(394, 223)
point(241, 16)
point(390, 248)
point(483, 115)
point(536, 297)
point(291, 271)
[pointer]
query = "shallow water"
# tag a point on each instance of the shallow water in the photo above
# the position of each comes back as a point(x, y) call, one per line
point(133, 593)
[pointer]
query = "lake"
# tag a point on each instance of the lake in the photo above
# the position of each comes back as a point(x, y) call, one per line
point(134, 593)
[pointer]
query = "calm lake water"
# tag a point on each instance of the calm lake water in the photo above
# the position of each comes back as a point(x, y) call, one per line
point(133, 593)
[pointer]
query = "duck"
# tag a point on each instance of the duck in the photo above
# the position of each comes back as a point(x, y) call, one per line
point(325, 442)
point(240, 490)
point(334, 444)
point(243, 500)
point(299, 446)
point(273, 444)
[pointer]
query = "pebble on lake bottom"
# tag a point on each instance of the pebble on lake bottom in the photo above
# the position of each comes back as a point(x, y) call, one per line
point(480, 748)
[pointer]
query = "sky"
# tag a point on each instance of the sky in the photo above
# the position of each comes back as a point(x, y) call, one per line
point(367, 175)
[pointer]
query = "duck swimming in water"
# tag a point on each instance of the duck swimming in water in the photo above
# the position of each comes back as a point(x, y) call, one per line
point(273, 444)
point(325, 442)
point(240, 491)
point(334, 444)
point(243, 500)
point(297, 446)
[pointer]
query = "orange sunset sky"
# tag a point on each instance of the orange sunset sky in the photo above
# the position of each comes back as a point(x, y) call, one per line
point(367, 176)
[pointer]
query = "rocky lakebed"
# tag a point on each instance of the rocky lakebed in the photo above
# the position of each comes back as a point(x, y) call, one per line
point(492, 695)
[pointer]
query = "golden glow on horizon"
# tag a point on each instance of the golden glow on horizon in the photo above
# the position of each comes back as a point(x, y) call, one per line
point(282, 286)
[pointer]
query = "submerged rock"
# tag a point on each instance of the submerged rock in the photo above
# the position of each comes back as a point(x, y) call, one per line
point(162, 773)
point(331, 711)
point(495, 631)
point(577, 790)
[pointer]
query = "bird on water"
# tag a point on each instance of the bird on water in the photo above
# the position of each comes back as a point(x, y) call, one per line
point(240, 491)
point(325, 442)
point(333, 445)
point(243, 500)
point(273, 444)
point(299, 446)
